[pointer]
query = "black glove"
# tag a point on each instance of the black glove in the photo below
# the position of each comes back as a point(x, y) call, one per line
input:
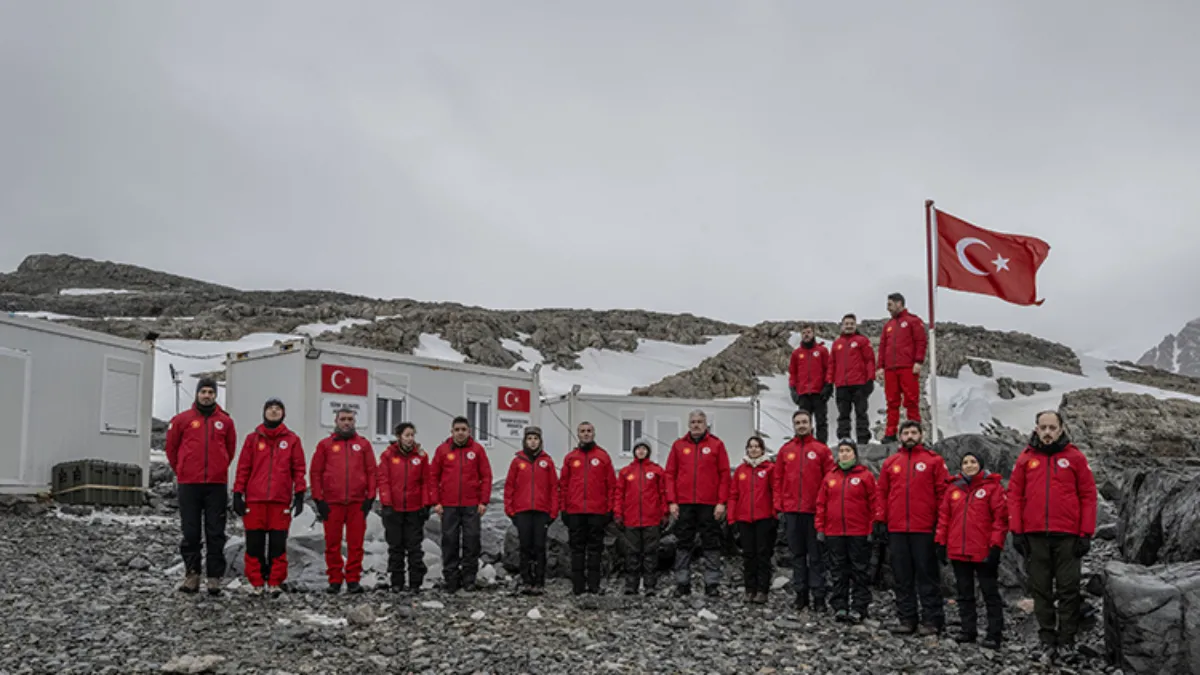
point(993, 559)
point(827, 392)
point(297, 504)
point(239, 504)
point(425, 511)
point(387, 510)
point(322, 509)
point(821, 537)
point(941, 553)
point(367, 504)
point(1021, 544)
point(1082, 546)
point(795, 396)
point(880, 532)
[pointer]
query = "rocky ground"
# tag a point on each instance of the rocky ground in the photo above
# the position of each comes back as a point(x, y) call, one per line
point(91, 593)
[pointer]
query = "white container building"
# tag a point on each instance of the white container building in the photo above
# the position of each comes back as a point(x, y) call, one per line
point(69, 394)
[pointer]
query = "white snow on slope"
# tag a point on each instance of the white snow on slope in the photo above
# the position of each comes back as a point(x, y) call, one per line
point(434, 347)
point(49, 316)
point(530, 355)
point(92, 291)
point(315, 329)
point(616, 372)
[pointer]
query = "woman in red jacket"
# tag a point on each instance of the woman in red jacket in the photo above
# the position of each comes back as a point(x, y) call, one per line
point(845, 511)
point(752, 507)
point(405, 495)
point(972, 525)
point(531, 501)
point(641, 509)
point(267, 493)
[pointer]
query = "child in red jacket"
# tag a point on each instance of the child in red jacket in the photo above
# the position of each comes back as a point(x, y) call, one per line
point(752, 507)
point(641, 508)
point(405, 495)
point(531, 501)
point(845, 511)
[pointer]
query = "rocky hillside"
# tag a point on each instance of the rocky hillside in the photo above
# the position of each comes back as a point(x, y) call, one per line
point(1179, 353)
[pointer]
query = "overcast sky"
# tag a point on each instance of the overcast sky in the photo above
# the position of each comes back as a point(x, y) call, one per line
point(740, 160)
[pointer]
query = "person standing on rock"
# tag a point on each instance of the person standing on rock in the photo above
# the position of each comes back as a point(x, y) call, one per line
point(344, 478)
point(697, 489)
point(971, 529)
point(1052, 514)
point(752, 509)
point(901, 355)
point(640, 509)
point(531, 502)
point(800, 466)
point(845, 513)
point(586, 490)
point(405, 497)
point(462, 483)
point(267, 493)
point(852, 371)
point(201, 444)
point(809, 379)
point(912, 483)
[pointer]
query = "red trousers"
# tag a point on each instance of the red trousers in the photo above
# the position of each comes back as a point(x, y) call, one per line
point(267, 525)
point(901, 387)
point(348, 517)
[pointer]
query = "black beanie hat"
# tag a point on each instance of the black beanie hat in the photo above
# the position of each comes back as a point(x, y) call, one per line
point(274, 401)
point(979, 459)
point(206, 382)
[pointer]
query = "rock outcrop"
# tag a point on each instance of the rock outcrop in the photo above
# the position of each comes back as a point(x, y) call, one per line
point(1155, 377)
point(1152, 617)
point(1178, 353)
point(1160, 518)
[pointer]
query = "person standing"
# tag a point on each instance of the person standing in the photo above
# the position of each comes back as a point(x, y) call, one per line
point(809, 379)
point(1052, 513)
point(852, 370)
point(267, 493)
point(343, 489)
point(845, 512)
point(462, 484)
point(586, 489)
point(971, 529)
point(697, 490)
point(912, 483)
point(201, 443)
point(800, 466)
point(752, 509)
point(531, 502)
point(901, 355)
point(405, 497)
point(640, 509)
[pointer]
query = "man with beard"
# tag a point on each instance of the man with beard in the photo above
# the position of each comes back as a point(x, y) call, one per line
point(697, 489)
point(1052, 515)
point(800, 466)
point(809, 379)
point(586, 489)
point(911, 485)
point(852, 371)
point(343, 488)
point(201, 443)
point(462, 485)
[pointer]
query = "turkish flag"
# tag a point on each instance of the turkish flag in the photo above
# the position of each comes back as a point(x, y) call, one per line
point(976, 260)
point(513, 400)
point(344, 380)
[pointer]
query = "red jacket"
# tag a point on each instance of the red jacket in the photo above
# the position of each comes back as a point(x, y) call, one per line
point(808, 369)
point(343, 470)
point(531, 485)
point(852, 361)
point(403, 479)
point(641, 499)
point(799, 468)
point(698, 471)
point(1052, 492)
point(200, 449)
point(911, 485)
point(750, 495)
point(271, 466)
point(588, 483)
point(902, 342)
point(846, 503)
point(973, 517)
point(461, 476)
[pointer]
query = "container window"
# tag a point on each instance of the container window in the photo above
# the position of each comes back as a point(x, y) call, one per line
point(120, 402)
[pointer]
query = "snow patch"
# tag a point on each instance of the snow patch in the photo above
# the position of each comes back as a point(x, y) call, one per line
point(315, 329)
point(529, 356)
point(110, 518)
point(616, 372)
point(50, 316)
point(434, 347)
point(93, 291)
point(322, 620)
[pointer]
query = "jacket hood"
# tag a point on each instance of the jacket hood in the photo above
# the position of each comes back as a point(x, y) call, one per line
point(264, 430)
point(1054, 448)
point(396, 448)
point(646, 442)
point(857, 468)
point(984, 477)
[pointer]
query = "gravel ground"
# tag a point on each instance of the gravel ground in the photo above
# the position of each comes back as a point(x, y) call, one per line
point(91, 594)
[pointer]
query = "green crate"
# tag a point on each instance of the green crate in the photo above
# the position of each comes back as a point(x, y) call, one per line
point(98, 473)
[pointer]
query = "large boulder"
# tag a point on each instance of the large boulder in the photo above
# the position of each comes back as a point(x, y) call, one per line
point(997, 455)
point(558, 551)
point(1159, 518)
point(1152, 617)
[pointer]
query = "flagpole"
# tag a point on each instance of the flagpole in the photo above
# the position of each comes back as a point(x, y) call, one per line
point(931, 271)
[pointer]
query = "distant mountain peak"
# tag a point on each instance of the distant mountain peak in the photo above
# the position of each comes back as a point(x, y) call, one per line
point(1179, 353)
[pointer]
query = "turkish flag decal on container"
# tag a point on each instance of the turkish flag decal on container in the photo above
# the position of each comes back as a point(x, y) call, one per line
point(513, 400)
point(344, 380)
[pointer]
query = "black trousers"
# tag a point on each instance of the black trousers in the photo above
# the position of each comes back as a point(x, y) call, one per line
point(532, 527)
point(202, 508)
point(585, 532)
point(404, 532)
point(917, 577)
point(849, 560)
point(818, 407)
point(1054, 576)
point(965, 574)
point(461, 544)
point(758, 544)
point(641, 556)
point(808, 563)
point(855, 396)
point(697, 519)
point(266, 545)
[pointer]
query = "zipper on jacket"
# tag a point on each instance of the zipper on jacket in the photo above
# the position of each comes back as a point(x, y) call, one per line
point(800, 494)
point(270, 471)
point(348, 469)
point(696, 473)
point(206, 427)
point(532, 484)
point(908, 496)
point(404, 495)
point(1049, 468)
point(752, 494)
point(641, 496)
point(585, 466)
point(461, 461)
point(845, 528)
point(966, 516)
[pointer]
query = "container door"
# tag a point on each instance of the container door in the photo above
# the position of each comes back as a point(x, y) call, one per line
point(15, 368)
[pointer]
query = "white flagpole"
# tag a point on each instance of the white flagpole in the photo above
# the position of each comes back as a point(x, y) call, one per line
point(931, 247)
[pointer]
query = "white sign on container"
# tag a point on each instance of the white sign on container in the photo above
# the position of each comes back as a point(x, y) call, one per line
point(511, 425)
point(331, 404)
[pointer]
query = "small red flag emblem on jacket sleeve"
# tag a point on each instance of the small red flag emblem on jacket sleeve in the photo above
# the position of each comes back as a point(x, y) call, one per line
point(975, 260)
